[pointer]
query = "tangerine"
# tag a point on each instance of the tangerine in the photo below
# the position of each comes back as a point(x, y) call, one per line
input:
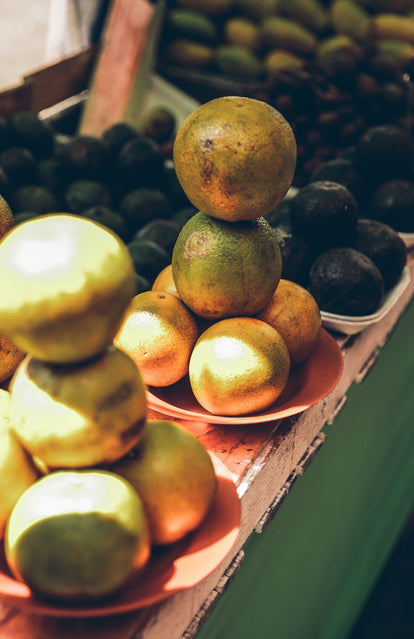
point(235, 157)
point(239, 366)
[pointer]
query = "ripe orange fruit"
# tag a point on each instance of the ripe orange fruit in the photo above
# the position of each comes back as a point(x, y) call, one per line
point(174, 476)
point(17, 471)
point(235, 157)
point(69, 280)
point(239, 366)
point(293, 312)
point(77, 535)
point(6, 217)
point(158, 332)
point(225, 269)
point(10, 358)
point(77, 416)
point(165, 281)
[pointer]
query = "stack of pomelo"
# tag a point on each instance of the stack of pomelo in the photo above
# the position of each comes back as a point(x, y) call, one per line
point(235, 160)
point(89, 484)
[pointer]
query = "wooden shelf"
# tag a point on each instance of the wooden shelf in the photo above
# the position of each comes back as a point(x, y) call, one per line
point(264, 460)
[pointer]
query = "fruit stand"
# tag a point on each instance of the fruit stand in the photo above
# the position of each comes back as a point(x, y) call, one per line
point(311, 498)
point(264, 461)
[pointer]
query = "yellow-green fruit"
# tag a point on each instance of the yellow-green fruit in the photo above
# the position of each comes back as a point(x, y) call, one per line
point(224, 269)
point(310, 13)
point(288, 34)
point(172, 472)
point(68, 282)
point(393, 26)
point(17, 472)
point(239, 60)
point(190, 24)
point(240, 30)
point(278, 59)
point(77, 536)
point(188, 53)
point(77, 416)
point(235, 157)
point(399, 50)
point(349, 18)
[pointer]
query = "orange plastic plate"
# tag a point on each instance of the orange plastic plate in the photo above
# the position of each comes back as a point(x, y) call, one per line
point(170, 570)
point(308, 384)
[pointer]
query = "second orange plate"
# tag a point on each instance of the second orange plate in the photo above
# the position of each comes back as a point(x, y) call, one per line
point(308, 384)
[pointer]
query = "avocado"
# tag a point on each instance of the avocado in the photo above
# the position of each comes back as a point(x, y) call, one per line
point(170, 185)
point(19, 166)
point(159, 124)
point(142, 205)
point(84, 157)
point(140, 163)
point(142, 284)
point(181, 216)
point(116, 135)
point(383, 245)
point(109, 218)
point(149, 258)
point(383, 153)
point(81, 195)
point(162, 232)
point(32, 133)
point(5, 134)
point(342, 171)
point(23, 216)
point(34, 197)
point(296, 257)
point(344, 281)
point(52, 175)
point(325, 215)
point(393, 203)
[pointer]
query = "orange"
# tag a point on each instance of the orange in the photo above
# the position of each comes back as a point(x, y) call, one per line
point(10, 358)
point(6, 217)
point(77, 416)
point(68, 281)
point(223, 269)
point(239, 366)
point(293, 312)
point(17, 471)
point(165, 281)
point(158, 333)
point(235, 157)
point(77, 535)
point(174, 476)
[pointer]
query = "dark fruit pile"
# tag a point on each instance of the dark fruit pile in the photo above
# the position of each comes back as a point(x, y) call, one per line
point(123, 180)
point(340, 234)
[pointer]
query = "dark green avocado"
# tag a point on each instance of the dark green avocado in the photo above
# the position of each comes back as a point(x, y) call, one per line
point(344, 281)
point(393, 204)
point(325, 215)
point(384, 246)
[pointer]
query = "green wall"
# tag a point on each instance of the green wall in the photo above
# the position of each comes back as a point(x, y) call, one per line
point(309, 573)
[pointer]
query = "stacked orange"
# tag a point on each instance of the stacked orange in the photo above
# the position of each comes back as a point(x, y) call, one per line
point(235, 159)
point(77, 450)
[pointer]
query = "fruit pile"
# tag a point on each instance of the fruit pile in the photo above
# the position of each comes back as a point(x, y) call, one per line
point(331, 67)
point(220, 312)
point(89, 484)
point(352, 215)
